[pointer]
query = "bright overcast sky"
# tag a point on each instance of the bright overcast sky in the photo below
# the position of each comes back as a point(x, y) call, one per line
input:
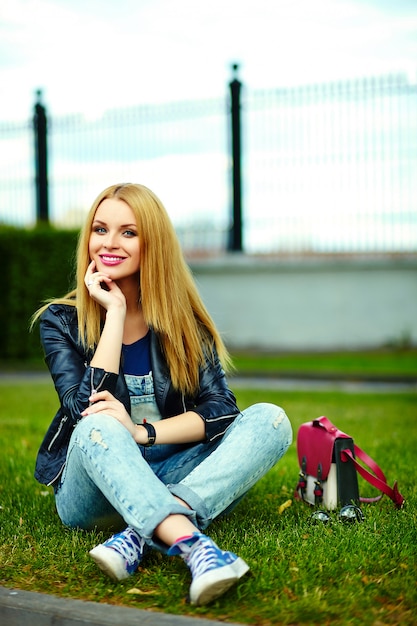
point(92, 55)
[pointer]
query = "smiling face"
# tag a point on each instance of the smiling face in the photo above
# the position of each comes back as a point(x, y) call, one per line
point(114, 242)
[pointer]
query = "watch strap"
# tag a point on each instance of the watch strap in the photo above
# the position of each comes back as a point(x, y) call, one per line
point(151, 434)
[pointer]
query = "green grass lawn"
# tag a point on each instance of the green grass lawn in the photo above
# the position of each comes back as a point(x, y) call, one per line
point(364, 364)
point(363, 574)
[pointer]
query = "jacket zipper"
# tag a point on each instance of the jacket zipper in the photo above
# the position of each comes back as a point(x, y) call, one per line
point(61, 424)
point(101, 383)
point(57, 476)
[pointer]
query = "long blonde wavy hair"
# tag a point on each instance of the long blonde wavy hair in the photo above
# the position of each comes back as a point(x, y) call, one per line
point(171, 304)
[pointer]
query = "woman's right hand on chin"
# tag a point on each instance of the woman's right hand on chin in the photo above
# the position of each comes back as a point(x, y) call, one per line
point(103, 289)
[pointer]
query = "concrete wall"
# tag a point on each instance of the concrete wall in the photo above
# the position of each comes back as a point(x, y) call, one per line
point(310, 304)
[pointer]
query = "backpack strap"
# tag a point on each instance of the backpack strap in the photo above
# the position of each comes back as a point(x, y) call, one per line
point(301, 488)
point(326, 424)
point(376, 479)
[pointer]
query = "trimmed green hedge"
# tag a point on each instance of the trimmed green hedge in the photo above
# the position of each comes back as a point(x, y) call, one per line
point(37, 264)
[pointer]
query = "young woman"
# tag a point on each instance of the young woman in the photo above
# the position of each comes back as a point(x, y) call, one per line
point(148, 439)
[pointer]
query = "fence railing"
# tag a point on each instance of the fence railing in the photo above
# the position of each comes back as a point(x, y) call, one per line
point(319, 169)
point(333, 168)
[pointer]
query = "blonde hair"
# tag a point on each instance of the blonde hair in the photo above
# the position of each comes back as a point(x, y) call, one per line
point(171, 304)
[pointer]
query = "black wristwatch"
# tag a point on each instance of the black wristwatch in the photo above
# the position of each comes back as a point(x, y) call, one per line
point(151, 434)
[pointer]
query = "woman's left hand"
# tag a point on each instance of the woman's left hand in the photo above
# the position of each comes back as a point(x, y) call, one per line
point(105, 402)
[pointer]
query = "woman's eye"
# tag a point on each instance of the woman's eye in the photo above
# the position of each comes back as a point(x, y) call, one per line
point(99, 229)
point(130, 233)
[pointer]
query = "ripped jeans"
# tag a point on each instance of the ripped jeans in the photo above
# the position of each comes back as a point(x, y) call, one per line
point(109, 481)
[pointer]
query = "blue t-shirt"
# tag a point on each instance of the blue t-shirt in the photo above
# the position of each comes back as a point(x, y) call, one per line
point(136, 358)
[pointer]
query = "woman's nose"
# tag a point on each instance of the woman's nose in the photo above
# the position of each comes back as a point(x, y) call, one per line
point(110, 240)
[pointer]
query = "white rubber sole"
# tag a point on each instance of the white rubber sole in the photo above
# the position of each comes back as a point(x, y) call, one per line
point(214, 583)
point(109, 562)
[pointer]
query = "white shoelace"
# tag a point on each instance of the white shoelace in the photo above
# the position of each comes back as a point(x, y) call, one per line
point(202, 557)
point(129, 544)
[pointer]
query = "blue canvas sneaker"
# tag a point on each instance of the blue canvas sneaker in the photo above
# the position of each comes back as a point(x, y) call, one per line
point(119, 556)
point(213, 570)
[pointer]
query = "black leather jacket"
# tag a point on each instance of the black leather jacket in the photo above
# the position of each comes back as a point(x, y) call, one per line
point(75, 379)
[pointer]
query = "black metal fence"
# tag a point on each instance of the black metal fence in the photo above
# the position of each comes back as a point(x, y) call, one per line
point(333, 168)
point(320, 169)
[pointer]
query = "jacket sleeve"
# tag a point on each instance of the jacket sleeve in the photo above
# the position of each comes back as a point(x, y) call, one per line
point(73, 378)
point(215, 402)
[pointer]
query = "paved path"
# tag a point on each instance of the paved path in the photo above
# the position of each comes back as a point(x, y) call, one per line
point(26, 608)
point(323, 384)
point(386, 385)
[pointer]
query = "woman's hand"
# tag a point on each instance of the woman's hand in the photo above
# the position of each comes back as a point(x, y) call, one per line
point(187, 427)
point(110, 295)
point(105, 402)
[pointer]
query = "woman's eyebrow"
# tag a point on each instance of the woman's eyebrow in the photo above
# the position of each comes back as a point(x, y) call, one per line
point(121, 226)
